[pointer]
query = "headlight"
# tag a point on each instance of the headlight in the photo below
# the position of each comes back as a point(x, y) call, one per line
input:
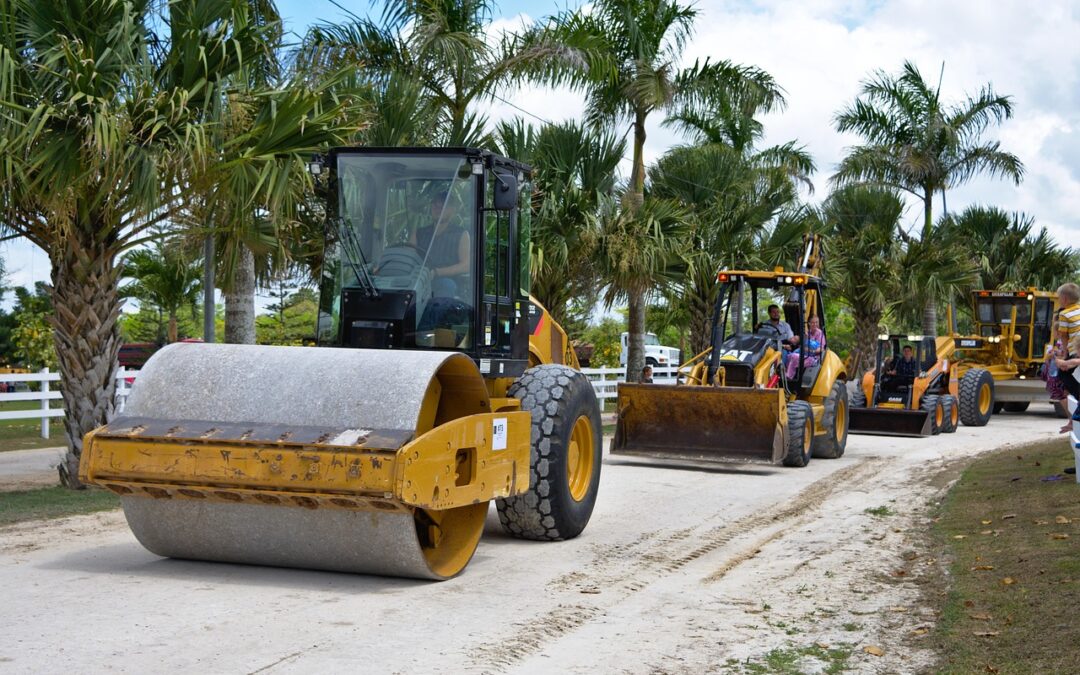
point(913, 338)
point(883, 337)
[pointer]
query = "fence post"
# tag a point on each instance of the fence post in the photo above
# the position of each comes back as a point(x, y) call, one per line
point(45, 403)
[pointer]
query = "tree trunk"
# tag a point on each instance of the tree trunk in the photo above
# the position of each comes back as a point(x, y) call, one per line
point(928, 214)
point(172, 328)
point(864, 353)
point(929, 317)
point(86, 333)
point(700, 305)
point(635, 350)
point(209, 311)
point(635, 196)
point(240, 302)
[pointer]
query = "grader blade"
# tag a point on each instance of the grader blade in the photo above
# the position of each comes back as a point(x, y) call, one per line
point(332, 459)
point(890, 422)
point(712, 424)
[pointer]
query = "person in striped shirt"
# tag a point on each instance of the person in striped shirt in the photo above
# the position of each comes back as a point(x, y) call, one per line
point(1069, 334)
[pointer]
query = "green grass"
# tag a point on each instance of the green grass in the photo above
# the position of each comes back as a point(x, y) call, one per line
point(1011, 539)
point(881, 511)
point(25, 434)
point(796, 660)
point(53, 502)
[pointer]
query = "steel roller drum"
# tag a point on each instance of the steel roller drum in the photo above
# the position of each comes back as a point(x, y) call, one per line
point(352, 388)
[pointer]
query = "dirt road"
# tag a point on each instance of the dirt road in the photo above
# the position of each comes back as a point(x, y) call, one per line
point(681, 570)
point(27, 469)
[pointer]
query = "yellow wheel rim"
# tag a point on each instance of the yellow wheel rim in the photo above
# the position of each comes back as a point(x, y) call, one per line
point(808, 437)
point(579, 459)
point(841, 421)
point(984, 399)
point(939, 415)
point(954, 415)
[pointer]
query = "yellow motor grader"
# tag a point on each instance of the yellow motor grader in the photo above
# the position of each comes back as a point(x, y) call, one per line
point(736, 402)
point(1012, 330)
point(439, 385)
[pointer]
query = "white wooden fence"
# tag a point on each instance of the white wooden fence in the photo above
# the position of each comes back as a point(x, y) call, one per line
point(604, 380)
point(18, 387)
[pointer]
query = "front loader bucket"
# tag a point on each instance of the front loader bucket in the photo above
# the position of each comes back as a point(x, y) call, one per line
point(714, 424)
point(890, 422)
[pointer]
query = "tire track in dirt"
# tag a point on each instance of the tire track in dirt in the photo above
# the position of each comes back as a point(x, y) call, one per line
point(630, 567)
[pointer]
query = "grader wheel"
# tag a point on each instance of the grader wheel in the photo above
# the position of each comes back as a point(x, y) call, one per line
point(566, 456)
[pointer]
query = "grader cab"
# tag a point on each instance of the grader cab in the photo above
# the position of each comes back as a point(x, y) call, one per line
point(1012, 331)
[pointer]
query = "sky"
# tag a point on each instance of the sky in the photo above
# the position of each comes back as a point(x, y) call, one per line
point(820, 51)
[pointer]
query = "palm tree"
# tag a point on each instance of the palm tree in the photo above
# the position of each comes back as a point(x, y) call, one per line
point(632, 48)
point(1006, 249)
point(573, 179)
point(163, 279)
point(864, 261)
point(109, 105)
point(638, 252)
point(918, 144)
point(440, 46)
point(734, 207)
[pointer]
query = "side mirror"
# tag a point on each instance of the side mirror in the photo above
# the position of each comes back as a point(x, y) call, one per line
point(506, 191)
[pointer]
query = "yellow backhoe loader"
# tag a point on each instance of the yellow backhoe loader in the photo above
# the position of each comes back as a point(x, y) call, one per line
point(438, 386)
point(737, 403)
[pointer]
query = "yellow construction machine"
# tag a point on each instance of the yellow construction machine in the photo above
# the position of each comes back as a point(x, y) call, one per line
point(913, 389)
point(438, 386)
point(736, 403)
point(1012, 330)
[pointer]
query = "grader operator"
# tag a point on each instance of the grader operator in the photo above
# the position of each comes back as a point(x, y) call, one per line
point(438, 386)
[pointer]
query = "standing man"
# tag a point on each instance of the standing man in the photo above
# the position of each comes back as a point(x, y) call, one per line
point(1068, 330)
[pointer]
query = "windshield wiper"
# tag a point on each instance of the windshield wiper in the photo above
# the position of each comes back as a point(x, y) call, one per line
point(354, 252)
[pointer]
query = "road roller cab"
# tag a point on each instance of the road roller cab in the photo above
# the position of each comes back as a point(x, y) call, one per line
point(438, 386)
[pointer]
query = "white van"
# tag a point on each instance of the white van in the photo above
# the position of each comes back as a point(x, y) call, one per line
point(656, 354)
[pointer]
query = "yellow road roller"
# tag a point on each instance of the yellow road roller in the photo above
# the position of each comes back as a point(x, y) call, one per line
point(438, 385)
point(763, 392)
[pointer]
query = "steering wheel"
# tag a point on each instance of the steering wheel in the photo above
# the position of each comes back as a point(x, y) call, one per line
point(766, 329)
point(400, 260)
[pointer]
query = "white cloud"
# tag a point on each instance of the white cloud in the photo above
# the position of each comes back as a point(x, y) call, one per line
point(821, 51)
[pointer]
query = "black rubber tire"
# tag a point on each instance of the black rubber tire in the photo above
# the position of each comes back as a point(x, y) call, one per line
point(950, 406)
point(556, 396)
point(800, 417)
point(832, 444)
point(998, 407)
point(970, 385)
point(1016, 406)
point(651, 362)
point(931, 403)
point(858, 398)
